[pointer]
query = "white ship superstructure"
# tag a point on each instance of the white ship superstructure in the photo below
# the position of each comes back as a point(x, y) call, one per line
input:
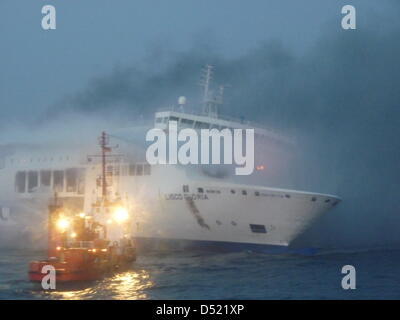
point(198, 204)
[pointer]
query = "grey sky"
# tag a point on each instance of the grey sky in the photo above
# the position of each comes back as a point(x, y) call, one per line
point(40, 67)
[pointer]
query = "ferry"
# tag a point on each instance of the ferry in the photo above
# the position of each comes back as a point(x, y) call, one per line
point(170, 205)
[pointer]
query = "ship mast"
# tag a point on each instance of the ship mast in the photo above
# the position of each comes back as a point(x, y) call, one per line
point(103, 141)
point(211, 102)
point(105, 149)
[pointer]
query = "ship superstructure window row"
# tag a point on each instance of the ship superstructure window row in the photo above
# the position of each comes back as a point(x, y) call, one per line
point(191, 123)
point(139, 169)
point(69, 180)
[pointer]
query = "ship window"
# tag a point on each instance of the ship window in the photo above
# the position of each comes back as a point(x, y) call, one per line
point(218, 222)
point(327, 200)
point(185, 188)
point(71, 179)
point(233, 191)
point(158, 120)
point(258, 228)
point(132, 169)
point(313, 199)
point(58, 180)
point(233, 223)
point(139, 170)
point(81, 180)
point(146, 169)
point(200, 190)
point(201, 125)
point(214, 126)
point(174, 119)
point(187, 122)
point(256, 193)
point(244, 192)
point(33, 180)
point(45, 178)
point(287, 196)
point(20, 178)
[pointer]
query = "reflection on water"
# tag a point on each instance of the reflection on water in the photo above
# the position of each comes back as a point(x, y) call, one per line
point(128, 285)
point(243, 275)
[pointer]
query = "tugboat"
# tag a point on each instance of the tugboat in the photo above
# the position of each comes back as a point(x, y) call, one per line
point(86, 247)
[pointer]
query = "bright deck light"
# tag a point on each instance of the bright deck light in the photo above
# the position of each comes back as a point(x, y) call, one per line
point(63, 224)
point(120, 214)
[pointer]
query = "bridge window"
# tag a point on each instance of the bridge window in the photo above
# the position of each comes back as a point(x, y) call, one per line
point(58, 180)
point(20, 178)
point(33, 180)
point(258, 228)
point(201, 125)
point(45, 178)
point(159, 120)
point(174, 119)
point(185, 188)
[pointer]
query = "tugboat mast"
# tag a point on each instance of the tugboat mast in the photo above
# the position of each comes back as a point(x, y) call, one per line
point(104, 148)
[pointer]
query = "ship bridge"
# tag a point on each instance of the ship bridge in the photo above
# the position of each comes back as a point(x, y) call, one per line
point(201, 121)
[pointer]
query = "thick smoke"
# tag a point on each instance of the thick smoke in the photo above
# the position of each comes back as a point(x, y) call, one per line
point(340, 99)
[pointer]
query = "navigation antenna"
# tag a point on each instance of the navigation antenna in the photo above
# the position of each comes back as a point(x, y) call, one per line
point(206, 80)
point(209, 102)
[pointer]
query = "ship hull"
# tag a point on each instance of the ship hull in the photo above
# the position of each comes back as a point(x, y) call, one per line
point(230, 216)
